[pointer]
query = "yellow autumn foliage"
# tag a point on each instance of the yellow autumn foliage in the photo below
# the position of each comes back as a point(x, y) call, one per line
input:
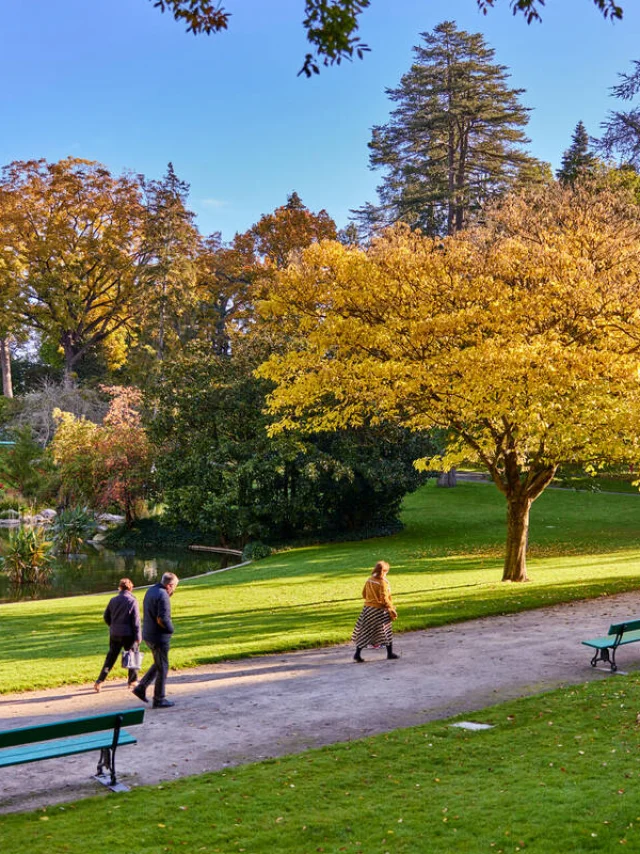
point(519, 337)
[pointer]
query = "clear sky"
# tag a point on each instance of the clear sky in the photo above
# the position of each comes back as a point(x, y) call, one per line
point(116, 81)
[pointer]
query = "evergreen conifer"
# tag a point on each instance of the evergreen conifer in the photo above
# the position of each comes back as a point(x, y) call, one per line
point(454, 140)
point(578, 160)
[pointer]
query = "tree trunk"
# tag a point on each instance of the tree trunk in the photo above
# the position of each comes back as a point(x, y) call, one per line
point(515, 561)
point(5, 366)
point(447, 479)
point(69, 359)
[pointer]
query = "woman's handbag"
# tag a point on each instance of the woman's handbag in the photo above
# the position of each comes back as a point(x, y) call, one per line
point(132, 659)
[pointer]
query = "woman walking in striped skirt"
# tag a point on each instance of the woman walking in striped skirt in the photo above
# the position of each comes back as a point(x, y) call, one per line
point(373, 628)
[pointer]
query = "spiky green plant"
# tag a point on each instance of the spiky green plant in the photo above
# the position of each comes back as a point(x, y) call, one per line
point(71, 528)
point(28, 558)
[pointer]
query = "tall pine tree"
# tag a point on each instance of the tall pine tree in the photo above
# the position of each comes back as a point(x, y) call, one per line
point(578, 160)
point(172, 243)
point(454, 140)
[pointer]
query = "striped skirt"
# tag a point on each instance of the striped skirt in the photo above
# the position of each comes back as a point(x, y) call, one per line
point(373, 628)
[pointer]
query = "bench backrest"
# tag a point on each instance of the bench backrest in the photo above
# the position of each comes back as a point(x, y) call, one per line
point(621, 628)
point(76, 726)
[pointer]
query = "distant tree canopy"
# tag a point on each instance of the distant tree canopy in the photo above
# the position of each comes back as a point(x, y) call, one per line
point(288, 229)
point(71, 250)
point(332, 25)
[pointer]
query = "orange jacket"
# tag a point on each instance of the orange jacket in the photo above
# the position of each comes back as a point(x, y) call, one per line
point(377, 593)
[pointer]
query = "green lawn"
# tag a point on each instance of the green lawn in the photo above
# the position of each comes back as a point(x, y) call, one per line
point(557, 773)
point(601, 483)
point(446, 567)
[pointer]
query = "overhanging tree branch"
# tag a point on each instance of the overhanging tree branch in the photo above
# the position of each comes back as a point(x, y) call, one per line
point(332, 25)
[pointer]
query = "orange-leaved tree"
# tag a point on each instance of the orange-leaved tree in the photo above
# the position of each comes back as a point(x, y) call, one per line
point(72, 248)
point(109, 464)
point(519, 338)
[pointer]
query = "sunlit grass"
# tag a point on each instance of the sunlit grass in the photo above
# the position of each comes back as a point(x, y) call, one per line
point(556, 773)
point(446, 567)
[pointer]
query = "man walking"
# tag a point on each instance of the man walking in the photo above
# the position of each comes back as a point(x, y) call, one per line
point(157, 629)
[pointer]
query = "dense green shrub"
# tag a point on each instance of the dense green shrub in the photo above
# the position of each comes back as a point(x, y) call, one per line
point(221, 473)
point(256, 551)
point(156, 533)
point(24, 466)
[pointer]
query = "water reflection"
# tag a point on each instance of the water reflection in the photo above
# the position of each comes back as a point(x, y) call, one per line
point(150, 570)
point(100, 571)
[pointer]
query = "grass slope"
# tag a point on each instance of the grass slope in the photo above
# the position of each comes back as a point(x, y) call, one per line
point(446, 567)
point(557, 773)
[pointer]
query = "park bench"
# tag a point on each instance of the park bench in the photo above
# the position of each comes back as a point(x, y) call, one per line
point(618, 635)
point(103, 732)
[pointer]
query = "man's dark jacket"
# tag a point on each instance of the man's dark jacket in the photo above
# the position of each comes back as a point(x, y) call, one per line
point(157, 605)
point(123, 616)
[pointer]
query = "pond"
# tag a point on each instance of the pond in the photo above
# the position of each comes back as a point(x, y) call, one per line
point(100, 570)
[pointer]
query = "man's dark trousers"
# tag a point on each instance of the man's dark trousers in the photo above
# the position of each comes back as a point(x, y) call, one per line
point(158, 670)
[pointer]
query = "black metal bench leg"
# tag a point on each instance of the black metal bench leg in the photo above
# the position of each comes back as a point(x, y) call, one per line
point(600, 655)
point(113, 767)
point(107, 762)
point(114, 745)
point(614, 666)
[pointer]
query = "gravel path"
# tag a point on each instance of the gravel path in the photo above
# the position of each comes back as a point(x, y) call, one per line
point(243, 711)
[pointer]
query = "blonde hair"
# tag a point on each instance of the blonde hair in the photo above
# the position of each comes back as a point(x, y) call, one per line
point(379, 568)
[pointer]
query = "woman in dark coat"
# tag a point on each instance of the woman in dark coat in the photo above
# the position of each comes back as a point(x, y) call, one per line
point(122, 615)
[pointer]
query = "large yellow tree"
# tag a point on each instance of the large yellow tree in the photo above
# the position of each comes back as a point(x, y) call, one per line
point(520, 339)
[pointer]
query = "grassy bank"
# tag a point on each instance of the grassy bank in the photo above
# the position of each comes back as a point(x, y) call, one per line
point(556, 773)
point(446, 567)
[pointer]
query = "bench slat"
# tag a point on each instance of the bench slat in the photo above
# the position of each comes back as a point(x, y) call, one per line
point(600, 643)
point(61, 747)
point(629, 637)
point(610, 641)
point(627, 626)
point(62, 729)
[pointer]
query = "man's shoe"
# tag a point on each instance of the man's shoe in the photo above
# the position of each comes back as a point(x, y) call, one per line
point(97, 687)
point(139, 693)
point(162, 704)
point(392, 656)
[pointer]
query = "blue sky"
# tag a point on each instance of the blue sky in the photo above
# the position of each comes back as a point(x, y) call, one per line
point(116, 81)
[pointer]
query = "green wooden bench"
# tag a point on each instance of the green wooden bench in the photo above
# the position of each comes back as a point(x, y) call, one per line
point(65, 738)
point(619, 635)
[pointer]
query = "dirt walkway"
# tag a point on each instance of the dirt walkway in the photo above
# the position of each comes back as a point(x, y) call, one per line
point(242, 711)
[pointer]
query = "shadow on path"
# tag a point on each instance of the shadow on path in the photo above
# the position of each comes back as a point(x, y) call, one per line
point(244, 711)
